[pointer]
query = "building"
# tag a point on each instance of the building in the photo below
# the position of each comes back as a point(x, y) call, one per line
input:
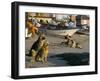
point(82, 20)
point(39, 16)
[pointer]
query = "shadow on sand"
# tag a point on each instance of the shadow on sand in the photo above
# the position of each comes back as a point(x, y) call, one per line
point(73, 59)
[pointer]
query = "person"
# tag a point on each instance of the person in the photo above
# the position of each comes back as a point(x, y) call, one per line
point(31, 29)
point(71, 24)
point(43, 27)
point(66, 23)
point(34, 21)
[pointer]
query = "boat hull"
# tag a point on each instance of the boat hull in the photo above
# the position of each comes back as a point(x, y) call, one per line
point(62, 32)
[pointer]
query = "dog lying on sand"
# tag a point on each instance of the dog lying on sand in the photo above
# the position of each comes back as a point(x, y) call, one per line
point(71, 42)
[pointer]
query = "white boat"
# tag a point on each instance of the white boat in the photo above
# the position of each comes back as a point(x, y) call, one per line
point(62, 32)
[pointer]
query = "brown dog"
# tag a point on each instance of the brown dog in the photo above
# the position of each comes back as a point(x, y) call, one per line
point(36, 47)
point(75, 45)
point(43, 53)
point(71, 42)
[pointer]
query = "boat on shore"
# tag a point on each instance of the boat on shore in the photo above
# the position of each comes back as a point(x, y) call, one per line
point(62, 32)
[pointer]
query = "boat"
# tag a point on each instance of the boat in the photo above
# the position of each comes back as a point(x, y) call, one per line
point(61, 32)
point(69, 32)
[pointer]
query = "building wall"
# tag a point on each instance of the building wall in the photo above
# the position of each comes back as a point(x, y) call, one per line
point(85, 22)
